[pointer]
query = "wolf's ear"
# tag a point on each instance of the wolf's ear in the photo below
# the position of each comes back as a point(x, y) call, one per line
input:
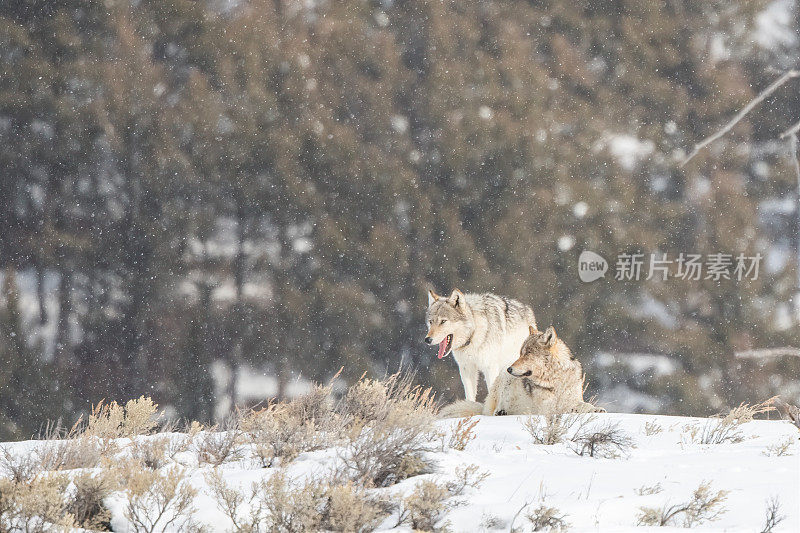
point(432, 297)
point(549, 338)
point(456, 298)
point(532, 330)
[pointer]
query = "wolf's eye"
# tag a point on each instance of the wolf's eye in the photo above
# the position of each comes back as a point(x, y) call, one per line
point(442, 321)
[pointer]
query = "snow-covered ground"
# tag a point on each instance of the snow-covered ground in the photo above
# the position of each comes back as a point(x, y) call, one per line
point(601, 494)
point(593, 494)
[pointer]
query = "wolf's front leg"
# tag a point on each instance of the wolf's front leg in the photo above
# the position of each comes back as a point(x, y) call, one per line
point(469, 378)
point(492, 399)
point(490, 375)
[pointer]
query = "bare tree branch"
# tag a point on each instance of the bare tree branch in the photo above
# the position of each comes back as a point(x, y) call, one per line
point(762, 353)
point(791, 131)
point(793, 149)
point(739, 116)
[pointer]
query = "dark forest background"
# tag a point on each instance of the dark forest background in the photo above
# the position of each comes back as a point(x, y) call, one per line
point(274, 184)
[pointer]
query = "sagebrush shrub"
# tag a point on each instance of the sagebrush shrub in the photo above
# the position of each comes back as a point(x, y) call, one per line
point(556, 428)
point(35, 505)
point(280, 504)
point(390, 429)
point(87, 505)
point(704, 505)
point(278, 435)
point(158, 500)
point(461, 433)
point(608, 441)
point(112, 421)
point(426, 507)
point(545, 518)
point(219, 444)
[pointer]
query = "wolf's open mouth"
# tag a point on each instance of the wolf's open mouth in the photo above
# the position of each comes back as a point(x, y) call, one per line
point(445, 346)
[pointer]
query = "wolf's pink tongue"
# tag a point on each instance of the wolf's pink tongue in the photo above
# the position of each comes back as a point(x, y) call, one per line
point(443, 346)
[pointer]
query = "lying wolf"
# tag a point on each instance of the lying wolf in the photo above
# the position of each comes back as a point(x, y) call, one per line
point(546, 379)
point(484, 332)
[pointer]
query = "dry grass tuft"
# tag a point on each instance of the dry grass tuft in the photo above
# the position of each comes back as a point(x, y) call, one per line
point(726, 429)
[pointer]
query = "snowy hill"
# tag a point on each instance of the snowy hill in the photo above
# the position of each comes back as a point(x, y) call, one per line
point(659, 463)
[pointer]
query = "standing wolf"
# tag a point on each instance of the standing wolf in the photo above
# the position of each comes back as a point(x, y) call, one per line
point(484, 332)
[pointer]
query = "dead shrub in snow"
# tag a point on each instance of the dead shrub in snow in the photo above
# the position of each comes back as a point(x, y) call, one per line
point(490, 521)
point(19, 467)
point(86, 443)
point(51, 455)
point(158, 500)
point(608, 442)
point(557, 428)
point(86, 503)
point(644, 490)
point(390, 429)
point(349, 508)
point(466, 477)
point(779, 449)
point(545, 518)
point(35, 505)
point(461, 433)
point(652, 428)
point(282, 431)
point(425, 508)
point(278, 435)
point(73, 453)
point(773, 517)
point(314, 407)
point(277, 504)
point(726, 428)
point(151, 452)
point(69, 449)
point(219, 444)
point(705, 505)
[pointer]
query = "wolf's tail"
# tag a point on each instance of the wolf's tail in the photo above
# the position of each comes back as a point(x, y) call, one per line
point(461, 409)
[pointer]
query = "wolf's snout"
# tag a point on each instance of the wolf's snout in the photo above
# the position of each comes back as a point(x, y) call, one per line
point(526, 374)
point(428, 340)
point(510, 370)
